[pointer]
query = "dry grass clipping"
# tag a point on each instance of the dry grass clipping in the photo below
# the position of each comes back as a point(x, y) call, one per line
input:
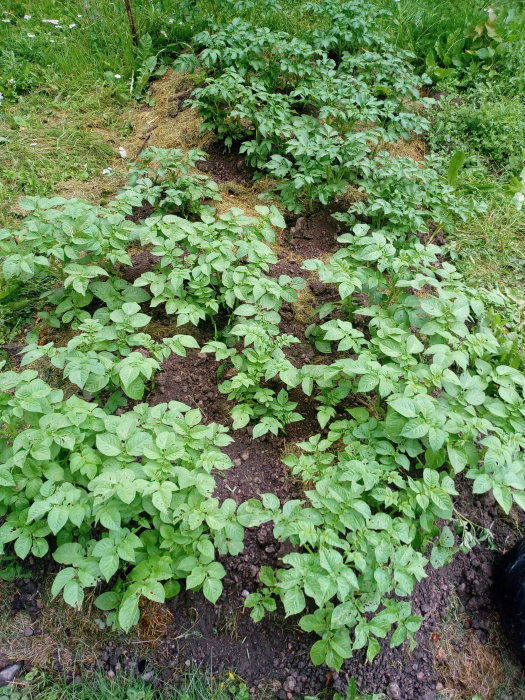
point(155, 621)
point(166, 124)
point(61, 635)
point(472, 667)
point(415, 149)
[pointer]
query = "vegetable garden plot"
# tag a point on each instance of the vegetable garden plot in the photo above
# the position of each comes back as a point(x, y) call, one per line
point(417, 388)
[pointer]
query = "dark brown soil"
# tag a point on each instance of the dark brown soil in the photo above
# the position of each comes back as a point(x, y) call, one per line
point(314, 235)
point(140, 213)
point(192, 380)
point(257, 469)
point(226, 166)
point(142, 262)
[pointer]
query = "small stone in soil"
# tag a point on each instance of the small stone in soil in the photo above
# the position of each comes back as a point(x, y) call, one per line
point(394, 691)
point(9, 673)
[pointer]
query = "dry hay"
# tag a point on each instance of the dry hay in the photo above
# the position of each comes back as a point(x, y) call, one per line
point(166, 123)
point(59, 637)
point(415, 148)
point(470, 666)
point(154, 623)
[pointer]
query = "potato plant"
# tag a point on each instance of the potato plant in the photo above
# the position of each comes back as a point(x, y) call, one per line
point(419, 378)
point(124, 501)
point(294, 108)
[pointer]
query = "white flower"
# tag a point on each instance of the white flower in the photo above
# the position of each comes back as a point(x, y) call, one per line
point(27, 16)
point(171, 20)
point(31, 36)
point(51, 21)
point(34, 143)
point(71, 26)
point(52, 41)
point(122, 151)
point(117, 75)
point(11, 81)
point(7, 21)
point(79, 16)
point(106, 171)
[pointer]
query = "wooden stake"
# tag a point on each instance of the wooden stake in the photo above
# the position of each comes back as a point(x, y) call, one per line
point(132, 25)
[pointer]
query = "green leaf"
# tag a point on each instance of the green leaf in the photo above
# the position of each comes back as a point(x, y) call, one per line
point(109, 565)
point(129, 613)
point(23, 545)
point(245, 310)
point(63, 577)
point(212, 589)
point(154, 590)
point(404, 406)
point(398, 637)
point(108, 444)
point(318, 652)
point(171, 588)
point(294, 601)
point(454, 166)
point(73, 594)
point(57, 518)
point(503, 496)
point(68, 553)
point(196, 578)
point(107, 601)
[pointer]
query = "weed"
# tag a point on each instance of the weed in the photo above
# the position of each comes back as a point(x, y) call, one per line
point(490, 131)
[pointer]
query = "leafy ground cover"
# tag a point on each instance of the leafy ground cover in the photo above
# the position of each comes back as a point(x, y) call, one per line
point(358, 420)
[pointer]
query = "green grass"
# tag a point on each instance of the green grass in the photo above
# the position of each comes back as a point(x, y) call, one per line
point(491, 131)
point(72, 141)
point(194, 685)
point(491, 249)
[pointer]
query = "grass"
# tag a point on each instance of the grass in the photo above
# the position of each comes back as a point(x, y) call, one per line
point(490, 250)
point(83, 130)
point(193, 685)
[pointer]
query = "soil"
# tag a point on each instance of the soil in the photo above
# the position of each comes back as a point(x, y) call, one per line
point(314, 235)
point(192, 380)
point(225, 166)
point(141, 263)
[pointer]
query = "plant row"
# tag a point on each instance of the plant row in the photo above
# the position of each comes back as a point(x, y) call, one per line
point(418, 377)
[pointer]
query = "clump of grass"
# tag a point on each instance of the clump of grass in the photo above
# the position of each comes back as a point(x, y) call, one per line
point(490, 249)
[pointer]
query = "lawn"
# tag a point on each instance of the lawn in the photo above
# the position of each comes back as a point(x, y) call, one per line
point(261, 318)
